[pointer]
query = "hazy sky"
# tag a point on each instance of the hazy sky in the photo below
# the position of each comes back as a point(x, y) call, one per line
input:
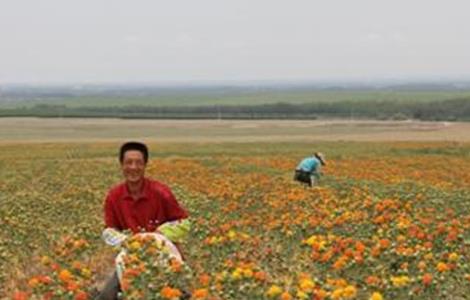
point(64, 41)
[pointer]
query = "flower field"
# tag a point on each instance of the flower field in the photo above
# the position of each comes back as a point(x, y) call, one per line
point(388, 221)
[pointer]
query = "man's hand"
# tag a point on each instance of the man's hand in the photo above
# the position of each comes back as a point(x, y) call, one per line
point(113, 237)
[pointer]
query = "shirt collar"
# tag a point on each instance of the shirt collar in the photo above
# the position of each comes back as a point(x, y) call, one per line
point(144, 194)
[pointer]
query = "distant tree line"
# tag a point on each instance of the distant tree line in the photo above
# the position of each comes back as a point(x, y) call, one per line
point(445, 110)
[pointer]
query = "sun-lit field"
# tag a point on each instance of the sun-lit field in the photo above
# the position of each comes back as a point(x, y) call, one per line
point(388, 221)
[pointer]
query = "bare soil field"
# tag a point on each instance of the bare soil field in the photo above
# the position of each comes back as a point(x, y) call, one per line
point(14, 130)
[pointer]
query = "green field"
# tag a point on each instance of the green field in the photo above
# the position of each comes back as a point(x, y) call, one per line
point(232, 98)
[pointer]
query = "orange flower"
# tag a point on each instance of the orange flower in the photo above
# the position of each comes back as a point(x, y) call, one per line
point(286, 296)
point(442, 267)
point(358, 258)
point(360, 247)
point(55, 267)
point(320, 294)
point(421, 265)
point(401, 238)
point(76, 265)
point(384, 243)
point(375, 251)
point(131, 272)
point(19, 295)
point(81, 295)
point(72, 286)
point(339, 263)
point(65, 275)
point(125, 284)
point(200, 294)
point(204, 279)
point(33, 282)
point(175, 265)
point(260, 275)
point(326, 256)
point(372, 280)
point(427, 279)
point(170, 293)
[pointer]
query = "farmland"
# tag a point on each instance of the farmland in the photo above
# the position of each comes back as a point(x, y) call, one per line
point(220, 95)
point(428, 102)
point(390, 219)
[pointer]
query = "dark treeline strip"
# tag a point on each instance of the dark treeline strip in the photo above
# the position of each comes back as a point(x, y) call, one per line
point(448, 110)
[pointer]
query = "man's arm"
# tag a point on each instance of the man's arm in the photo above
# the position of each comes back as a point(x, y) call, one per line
point(111, 233)
point(110, 218)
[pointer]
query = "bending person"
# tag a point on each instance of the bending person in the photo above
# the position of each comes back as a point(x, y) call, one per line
point(308, 170)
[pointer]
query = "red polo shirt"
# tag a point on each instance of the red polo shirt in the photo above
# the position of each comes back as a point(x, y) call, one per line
point(156, 206)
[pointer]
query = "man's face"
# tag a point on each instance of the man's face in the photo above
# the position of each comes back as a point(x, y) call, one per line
point(133, 166)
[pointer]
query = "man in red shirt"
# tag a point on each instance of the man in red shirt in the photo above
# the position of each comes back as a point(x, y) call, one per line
point(139, 204)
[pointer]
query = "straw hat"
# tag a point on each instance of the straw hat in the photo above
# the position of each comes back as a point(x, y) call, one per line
point(321, 157)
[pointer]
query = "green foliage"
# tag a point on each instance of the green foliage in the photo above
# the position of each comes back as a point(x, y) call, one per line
point(350, 104)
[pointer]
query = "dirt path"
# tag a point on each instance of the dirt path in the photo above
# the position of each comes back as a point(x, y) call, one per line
point(80, 130)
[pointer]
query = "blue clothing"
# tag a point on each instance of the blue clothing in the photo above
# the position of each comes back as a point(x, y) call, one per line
point(309, 164)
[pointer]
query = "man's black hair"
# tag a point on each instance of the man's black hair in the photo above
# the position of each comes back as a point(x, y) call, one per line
point(133, 146)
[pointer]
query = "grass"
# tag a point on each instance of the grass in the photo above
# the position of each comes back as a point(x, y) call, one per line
point(240, 98)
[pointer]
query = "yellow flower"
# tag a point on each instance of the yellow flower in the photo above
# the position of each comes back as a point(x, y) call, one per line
point(311, 240)
point(302, 295)
point(85, 272)
point(274, 291)
point(45, 260)
point(306, 285)
point(400, 281)
point(349, 291)
point(237, 274)
point(453, 256)
point(376, 296)
point(428, 256)
point(337, 294)
point(135, 245)
point(231, 234)
point(248, 273)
